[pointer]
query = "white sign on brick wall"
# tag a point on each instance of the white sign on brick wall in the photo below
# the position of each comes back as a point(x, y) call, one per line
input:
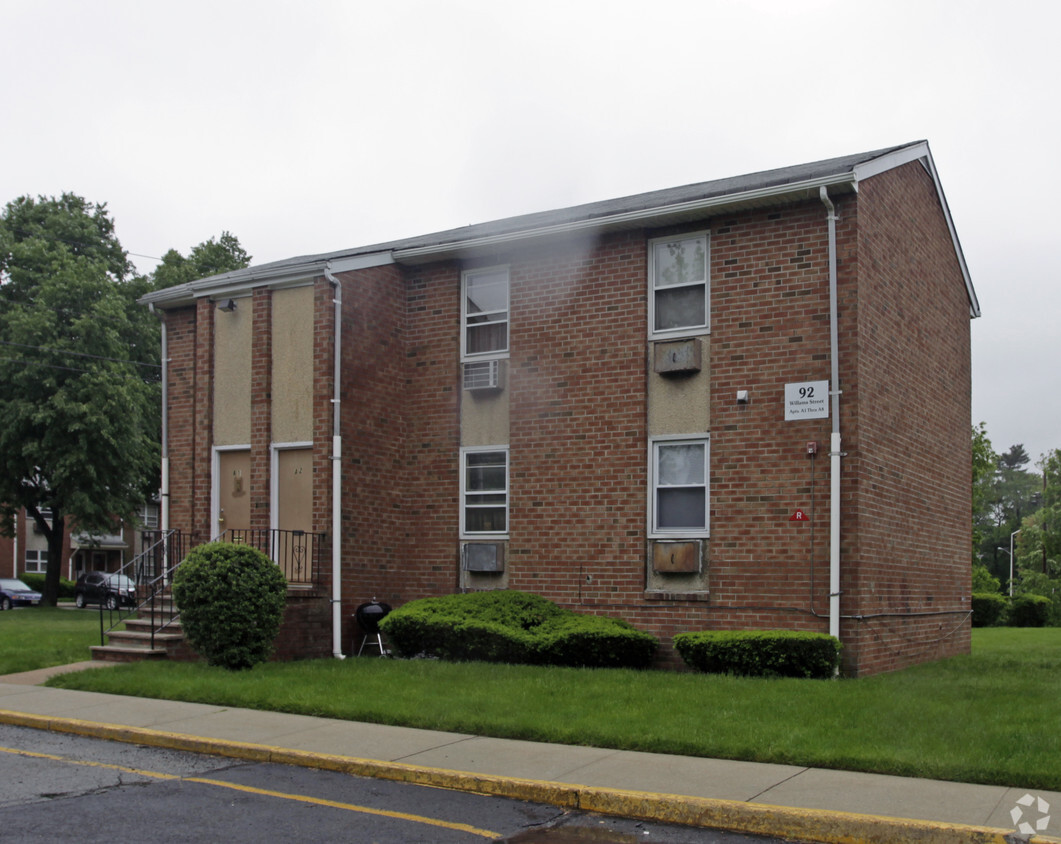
point(806, 400)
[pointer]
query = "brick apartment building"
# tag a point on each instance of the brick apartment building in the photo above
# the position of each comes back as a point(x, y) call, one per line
point(737, 404)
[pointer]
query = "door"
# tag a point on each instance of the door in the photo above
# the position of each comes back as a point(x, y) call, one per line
point(294, 513)
point(233, 491)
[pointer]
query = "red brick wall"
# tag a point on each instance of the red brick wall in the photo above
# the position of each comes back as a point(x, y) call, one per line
point(908, 576)
point(577, 392)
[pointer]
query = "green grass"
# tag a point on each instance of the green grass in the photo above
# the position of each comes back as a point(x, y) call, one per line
point(989, 717)
point(39, 637)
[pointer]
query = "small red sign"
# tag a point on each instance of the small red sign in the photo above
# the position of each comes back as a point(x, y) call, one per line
point(799, 516)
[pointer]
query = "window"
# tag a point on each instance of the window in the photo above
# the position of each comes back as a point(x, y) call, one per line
point(484, 313)
point(680, 486)
point(36, 560)
point(149, 516)
point(678, 276)
point(484, 492)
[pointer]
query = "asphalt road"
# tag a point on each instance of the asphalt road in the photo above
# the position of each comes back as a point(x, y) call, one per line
point(63, 787)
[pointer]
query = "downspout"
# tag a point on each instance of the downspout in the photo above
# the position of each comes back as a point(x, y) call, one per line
point(835, 452)
point(164, 484)
point(336, 458)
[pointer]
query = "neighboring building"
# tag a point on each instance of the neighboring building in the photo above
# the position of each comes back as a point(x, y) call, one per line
point(624, 406)
point(27, 550)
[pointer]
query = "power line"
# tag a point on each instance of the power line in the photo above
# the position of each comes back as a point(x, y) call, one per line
point(77, 354)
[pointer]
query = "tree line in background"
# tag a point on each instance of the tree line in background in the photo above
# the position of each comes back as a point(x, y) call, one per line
point(80, 367)
point(1016, 507)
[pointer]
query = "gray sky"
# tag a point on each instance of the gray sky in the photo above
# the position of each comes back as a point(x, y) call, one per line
point(313, 126)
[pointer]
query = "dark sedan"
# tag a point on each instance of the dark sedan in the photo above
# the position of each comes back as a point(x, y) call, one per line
point(107, 588)
point(15, 593)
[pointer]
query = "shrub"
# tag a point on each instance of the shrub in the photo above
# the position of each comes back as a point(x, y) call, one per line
point(35, 580)
point(1029, 611)
point(515, 627)
point(988, 608)
point(760, 653)
point(231, 599)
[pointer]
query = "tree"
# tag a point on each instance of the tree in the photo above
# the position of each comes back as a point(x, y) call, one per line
point(1012, 494)
point(211, 257)
point(984, 463)
point(79, 443)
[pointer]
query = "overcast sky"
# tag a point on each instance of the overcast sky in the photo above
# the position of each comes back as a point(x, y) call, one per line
point(307, 126)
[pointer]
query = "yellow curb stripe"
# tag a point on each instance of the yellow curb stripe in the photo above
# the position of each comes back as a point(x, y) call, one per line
point(812, 825)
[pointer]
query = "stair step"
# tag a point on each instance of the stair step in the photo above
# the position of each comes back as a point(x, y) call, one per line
point(114, 653)
point(141, 639)
point(144, 624)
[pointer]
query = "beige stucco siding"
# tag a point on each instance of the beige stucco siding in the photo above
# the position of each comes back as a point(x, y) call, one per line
point(232, 382)
point(292, 375)
point(680, 404)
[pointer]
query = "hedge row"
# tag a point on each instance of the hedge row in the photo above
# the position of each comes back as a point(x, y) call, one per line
point(761, 653)
point(514, 627)
point(35, 580)
point(990, 609)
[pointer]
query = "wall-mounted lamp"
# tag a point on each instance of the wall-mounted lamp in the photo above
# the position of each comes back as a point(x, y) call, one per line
point(228, 307)
point(743, 397)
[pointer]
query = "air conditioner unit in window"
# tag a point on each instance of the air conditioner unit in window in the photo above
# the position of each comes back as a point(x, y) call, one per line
point(483, 556)
point(483, 375)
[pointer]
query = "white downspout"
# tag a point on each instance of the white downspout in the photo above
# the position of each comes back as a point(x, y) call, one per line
point(164, 485)
point(835, 452)
point(336, 458)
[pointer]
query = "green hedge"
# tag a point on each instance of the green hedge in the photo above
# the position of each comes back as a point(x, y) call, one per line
point(514, 627)
point(989, 608)
point(761, 653)
point(35, 580)
point(1029, 611)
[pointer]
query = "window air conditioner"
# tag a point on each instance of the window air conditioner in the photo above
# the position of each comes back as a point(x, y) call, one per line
point(484, 556)
point(483, 375)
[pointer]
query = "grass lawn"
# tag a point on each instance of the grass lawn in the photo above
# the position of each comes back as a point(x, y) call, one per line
point(39, 637)
point(989, 717)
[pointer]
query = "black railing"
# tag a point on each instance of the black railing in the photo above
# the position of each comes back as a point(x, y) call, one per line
point(296, 552)
point(151, 571)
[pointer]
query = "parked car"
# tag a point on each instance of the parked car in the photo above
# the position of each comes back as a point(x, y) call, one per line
point(15, 593)
point(107, 588)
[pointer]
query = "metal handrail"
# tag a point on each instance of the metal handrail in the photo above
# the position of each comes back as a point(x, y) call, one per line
point(149, 581)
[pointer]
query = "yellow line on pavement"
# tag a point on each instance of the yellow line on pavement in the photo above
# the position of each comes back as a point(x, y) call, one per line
point(317, 801)
point(320, 801)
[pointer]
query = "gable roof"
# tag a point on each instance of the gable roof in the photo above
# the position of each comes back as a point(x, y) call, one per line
point(655, 208)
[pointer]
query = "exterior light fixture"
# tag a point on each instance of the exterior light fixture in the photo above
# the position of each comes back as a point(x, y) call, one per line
point(228, 307)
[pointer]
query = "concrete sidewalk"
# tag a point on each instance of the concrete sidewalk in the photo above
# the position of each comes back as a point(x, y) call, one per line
point(786, 801)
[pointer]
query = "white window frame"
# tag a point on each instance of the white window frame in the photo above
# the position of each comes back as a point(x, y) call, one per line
point(150, 515)
point(466, 277)
point(655, 444)
point(40, 560)
point(684, 330)
point(464, 492)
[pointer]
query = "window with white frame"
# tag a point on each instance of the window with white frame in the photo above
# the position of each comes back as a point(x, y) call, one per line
point(149, 516)
point(484, 313)
point(680, 486)
point(678, 278)
point(36, 560)
point(484, 491)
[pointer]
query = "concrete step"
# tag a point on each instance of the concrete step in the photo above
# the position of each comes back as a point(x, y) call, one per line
point(114, 653)
point(142, 639)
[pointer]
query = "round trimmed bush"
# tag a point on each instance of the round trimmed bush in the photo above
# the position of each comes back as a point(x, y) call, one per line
point(231, 599)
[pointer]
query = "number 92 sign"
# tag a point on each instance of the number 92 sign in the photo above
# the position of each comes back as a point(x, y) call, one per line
point(806, 400)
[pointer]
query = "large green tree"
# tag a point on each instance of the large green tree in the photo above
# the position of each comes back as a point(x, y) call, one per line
point(78, 410)
point(211, 257)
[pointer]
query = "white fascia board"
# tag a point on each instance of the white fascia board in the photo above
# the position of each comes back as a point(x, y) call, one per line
point(644, 215)
point(290, 275)
point(920, 152)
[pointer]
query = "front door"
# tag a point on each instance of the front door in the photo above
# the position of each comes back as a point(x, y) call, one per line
point(294, 513)
point(233, 491)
